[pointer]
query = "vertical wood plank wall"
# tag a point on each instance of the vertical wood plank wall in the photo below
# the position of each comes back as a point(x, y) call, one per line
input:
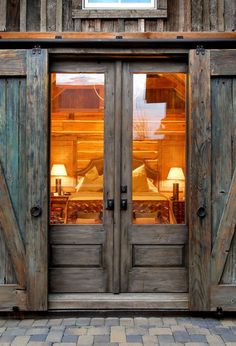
point(56, 15)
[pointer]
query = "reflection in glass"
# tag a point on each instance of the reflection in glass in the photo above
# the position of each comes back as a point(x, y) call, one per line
point(77, 136)
point(159, 131)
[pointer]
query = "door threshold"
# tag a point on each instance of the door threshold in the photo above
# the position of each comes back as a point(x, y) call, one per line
point(127, 301)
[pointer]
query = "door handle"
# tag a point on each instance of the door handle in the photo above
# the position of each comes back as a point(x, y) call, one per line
point(36, 211)
point(110, 204)
point(123, 204)
point(201, 212)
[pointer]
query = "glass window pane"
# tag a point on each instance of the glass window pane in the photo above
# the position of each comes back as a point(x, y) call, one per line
point(159, 132)
point(77, 147)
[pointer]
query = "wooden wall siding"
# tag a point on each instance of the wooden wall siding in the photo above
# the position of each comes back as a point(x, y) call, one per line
point(223, 159)
point(12, 142)
point(63, 15)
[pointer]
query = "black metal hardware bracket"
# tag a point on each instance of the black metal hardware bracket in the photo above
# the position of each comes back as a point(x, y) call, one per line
point(200, 50)
point(36, 50)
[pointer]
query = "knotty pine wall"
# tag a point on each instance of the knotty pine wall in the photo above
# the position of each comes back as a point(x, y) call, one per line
point(61, 15)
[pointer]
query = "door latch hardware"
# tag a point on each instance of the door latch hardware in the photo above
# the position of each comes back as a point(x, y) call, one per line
point(200, 50)
point(110, 204)
point(201, 212)
point(123, 204)
point(123, 189)
point(36, 211)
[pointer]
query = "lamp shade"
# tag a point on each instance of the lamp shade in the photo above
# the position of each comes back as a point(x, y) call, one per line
point(59, 170)
point(175, 173)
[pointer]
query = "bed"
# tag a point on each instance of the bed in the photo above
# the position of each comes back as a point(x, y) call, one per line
point(148, 206)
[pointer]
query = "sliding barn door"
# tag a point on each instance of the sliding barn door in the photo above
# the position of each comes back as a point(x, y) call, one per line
point(23, 180)
point(213, 180)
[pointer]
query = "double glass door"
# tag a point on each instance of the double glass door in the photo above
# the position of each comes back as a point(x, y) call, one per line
point(118, 177)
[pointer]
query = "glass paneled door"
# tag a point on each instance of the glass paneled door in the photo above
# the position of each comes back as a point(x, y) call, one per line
point(118, 177)
point(153, 168)
point(81, 169)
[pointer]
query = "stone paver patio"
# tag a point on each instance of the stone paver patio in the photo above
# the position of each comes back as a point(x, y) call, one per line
point(116, 331)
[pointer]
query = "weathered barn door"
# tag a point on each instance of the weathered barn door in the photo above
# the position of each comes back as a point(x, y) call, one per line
point(23, 179)
point(213, 180)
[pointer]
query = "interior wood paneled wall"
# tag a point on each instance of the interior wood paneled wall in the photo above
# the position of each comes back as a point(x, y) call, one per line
point(56, 15)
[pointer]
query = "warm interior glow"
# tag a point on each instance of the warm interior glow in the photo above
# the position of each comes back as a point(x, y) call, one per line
point(58, 170)
point(176, 173)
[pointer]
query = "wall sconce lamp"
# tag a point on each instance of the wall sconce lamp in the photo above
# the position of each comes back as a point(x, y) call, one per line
point(58, 170)
point(176, 174)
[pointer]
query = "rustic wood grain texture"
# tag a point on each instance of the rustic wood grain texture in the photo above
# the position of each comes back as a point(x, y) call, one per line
point(197, 15)
point(11, 232)
point(23, 10)
point(12, 295)
point(213, 15)
point(225, 234)
point(164, 234)
point(43, 15)
point(33, 15)
point(12, 62)
point(153, 280)
point(158, 256)
point(229, 15)
point(3, 17)
point(13, 15)
point(67, 234)
point(127, 301)
point(51, 15)
point(223, 296)
point(200, 180)
point(223, 62)
point(59, 16)
point(76, 255)
point(78, 280)
point(37, 173)
point(220, 15)
point(102, 14)
point(67, 21)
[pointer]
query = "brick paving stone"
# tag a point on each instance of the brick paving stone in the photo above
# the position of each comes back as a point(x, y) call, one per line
point(198, 338)
point(195, 344)
point(40, 323)
point(26, 323)
point(136, 331)
point(7, 338)
point(118, 334)
point(2, 330)
point(181, 336)
point(69, 321)
point(5, 343)
point(230, 343)
point(76, 331)
point(197, 321)
point(98, 330)
point(57, 328)
point(169, 321)
point(54, 322)
point(34, 331)
point(70, 338)
point(220, 330)
point(64, 344)
point(160, 331)
point(112, 321)
point(38, 337)
point(39, 343)
point(126, 322)
point(83, 321)
point(228, 323)
point(2, 322)
point(165, 339)
point(141, 322)
point(97, 322)
point(149, 340)
point(54, 336)
point(85, 340)
point(12, 323)
point(155, 322)
point(15, 331)
point(134, 338)
point(214, 340)
point(102, 339)
point(178, 328)
point(228, 337)
point(130, 344)
point(20, 340)
point(194, 330)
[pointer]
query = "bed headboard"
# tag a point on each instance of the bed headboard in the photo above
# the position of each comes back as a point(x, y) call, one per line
point(98, 163)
